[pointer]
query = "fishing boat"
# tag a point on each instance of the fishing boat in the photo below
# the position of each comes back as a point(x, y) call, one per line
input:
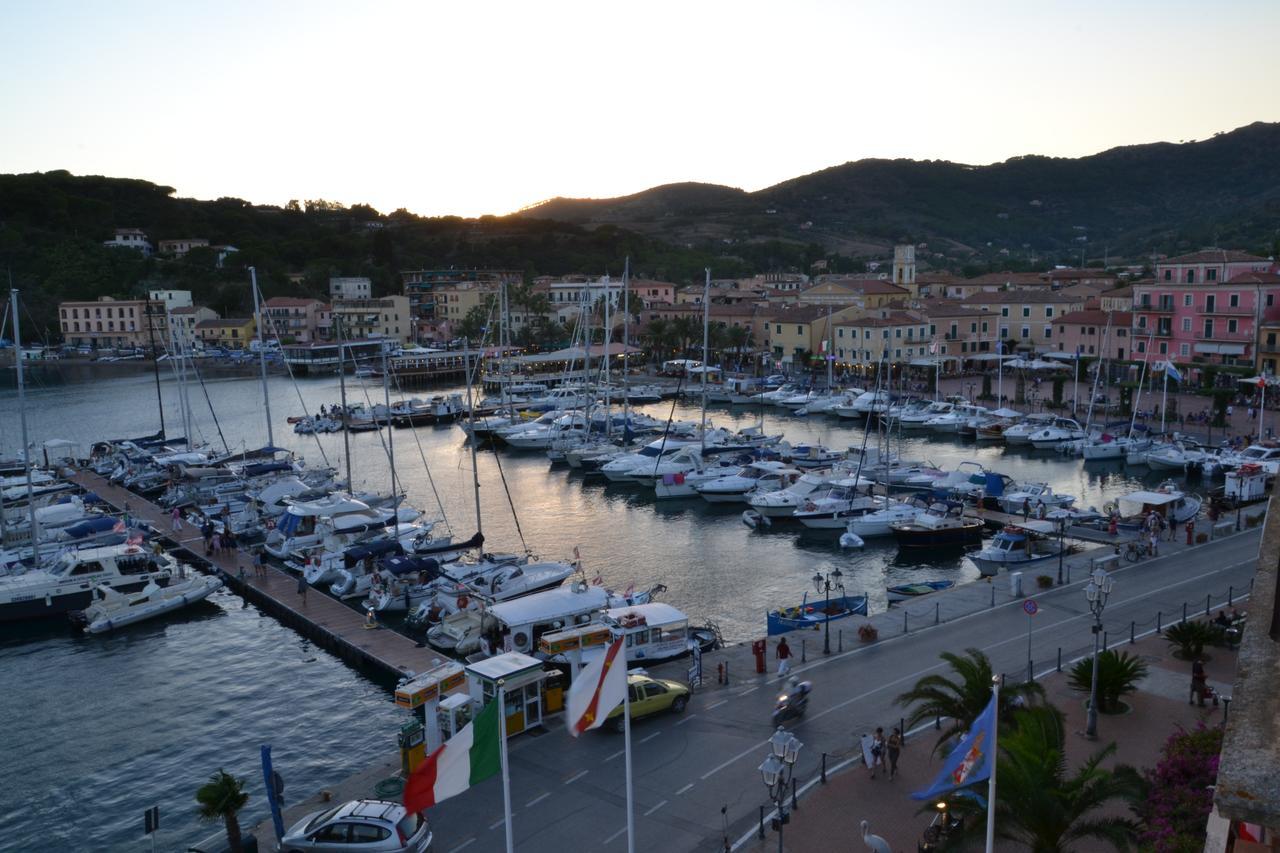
point(812, 614)
point(112, 609)
point(908, 591)
point(940, 527)
point(1030, 495)
point(1169, 501)
point(1018, 546)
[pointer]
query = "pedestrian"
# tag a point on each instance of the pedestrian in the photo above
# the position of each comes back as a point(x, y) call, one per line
point(1251, 413)
point(229, 539)
point(877, 751)
point(217, 543)
point(784, 657)
point(259, 570)
point(175, 520)
point(128, 520)
point(1230, 410)
point(206, 530)
point(1041, 509)
point(302, 586)
point(1026, 508)
point(1152, 539)
point(894, 747)
point(1199, 681)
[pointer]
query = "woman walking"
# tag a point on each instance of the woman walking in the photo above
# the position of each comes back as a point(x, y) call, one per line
point(894, 747)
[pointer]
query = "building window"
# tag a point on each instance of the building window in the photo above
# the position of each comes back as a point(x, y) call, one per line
point(897, 333)
point(1232, 326)
point(1234, 300)
point(1004, 331)
point(1210, 275)
point(984, 327)
point(1191, 277)
point(933, 330)
point(778, 328)
point(1004, 311)
point(1142, 321)
point(799, 330)
point(1164, 348)
point(1208, 328)
point(1184, 350)
point(1026, 310)
point(1186, 300)
point(1120, 333)
point(1168, 275)
point(840, 334)
point(1048, 311)
point(1210, 303)
point(1026, 332)
point(1186, 324)
point(1048, 332)
point(1142, 346)
point(1270, 299)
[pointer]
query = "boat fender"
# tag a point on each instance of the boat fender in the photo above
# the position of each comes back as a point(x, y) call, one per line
point(520, 641)
point(463, 601)
point(851, 540)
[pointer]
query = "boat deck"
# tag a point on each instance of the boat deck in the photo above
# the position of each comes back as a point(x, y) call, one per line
point(325, 620)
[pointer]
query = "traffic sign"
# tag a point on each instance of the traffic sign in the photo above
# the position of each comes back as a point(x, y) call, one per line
point(1030, 607)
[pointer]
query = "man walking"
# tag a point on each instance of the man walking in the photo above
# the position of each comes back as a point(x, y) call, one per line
point(894, 748)
point(784, 657)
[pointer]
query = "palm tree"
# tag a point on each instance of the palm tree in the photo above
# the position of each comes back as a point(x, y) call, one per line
point(964, 696)
point(683, 329)
point(1118, 676)
point(658, 333)
point(1038, 806)
point(222, 797)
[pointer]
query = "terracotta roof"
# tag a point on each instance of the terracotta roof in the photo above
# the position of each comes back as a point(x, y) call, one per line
point(1212, 256)
point(223, 324)
point(891, 318)
point(1016, 297)
point(1255, 278)
point(939, 308)
point(1003, 278)
point(803, 313)
point(1118, 293)
point(186, 309)
point(1094, 317)
point(863, 286)
point(1084, 273)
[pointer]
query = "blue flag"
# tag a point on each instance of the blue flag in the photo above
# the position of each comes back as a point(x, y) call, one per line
point(971, 760)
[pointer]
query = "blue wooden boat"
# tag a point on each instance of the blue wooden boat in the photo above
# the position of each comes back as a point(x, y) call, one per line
point(902, 592)
point(813, 614)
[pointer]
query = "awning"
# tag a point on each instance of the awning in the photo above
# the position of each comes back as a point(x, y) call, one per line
point(1063, 356)
point(988, 356)
point(1221, 349)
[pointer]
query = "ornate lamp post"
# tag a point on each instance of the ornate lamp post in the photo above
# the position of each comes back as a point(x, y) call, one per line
point(824, 584)
point(777, 769)
point(1096, 593)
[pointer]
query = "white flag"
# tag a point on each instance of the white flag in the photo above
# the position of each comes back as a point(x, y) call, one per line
point(600, 687)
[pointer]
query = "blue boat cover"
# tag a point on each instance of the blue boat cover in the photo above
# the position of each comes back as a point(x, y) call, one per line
point(89, 527)
point(405, 565)
point(379, 547)
point(288, 523)
point(995, 485)
point(265, 468)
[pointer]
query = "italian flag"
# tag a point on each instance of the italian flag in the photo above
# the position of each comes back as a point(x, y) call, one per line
point(469, 757)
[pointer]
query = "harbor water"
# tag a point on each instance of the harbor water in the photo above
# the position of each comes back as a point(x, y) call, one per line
point(101, 728)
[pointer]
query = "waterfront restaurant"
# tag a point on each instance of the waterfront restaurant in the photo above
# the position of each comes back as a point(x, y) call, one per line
point(551, 368)
point(324, 357)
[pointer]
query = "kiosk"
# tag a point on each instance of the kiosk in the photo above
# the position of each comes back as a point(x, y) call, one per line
point(521, 676)
point(426, 690)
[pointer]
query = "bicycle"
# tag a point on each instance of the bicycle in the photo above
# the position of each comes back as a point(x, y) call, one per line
point(1135, 551)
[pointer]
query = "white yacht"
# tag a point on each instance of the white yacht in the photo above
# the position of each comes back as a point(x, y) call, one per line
point(784, 502)
point(880, 522)
point(865, 404)
point(831, 509)
point(1020, 433)
point(1107, 446)
point(1264, 456)
point(956, 419)
point(1059, 431)
point(756, 477)
point(918, 417)
point(1032, 495)
point(331, 522)
point(1176, 456)
point(619, 468)
point(67, 583)
point(573, 425)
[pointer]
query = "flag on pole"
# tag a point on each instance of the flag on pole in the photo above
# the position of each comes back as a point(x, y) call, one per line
point(933, 347)
point(469, 757)
point(972, 759)
point(1170, 371)
point(598, 689)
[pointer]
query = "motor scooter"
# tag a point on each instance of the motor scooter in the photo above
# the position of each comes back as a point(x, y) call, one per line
point(792, 703)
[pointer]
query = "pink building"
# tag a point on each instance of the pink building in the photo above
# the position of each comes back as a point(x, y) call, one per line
point(1208, 266)
point(293, 320)
point(1086, 332)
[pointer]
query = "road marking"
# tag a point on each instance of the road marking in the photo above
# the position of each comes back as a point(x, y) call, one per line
point(576, 776)
point(716, 705)
point(466, 843)
point(537, 800)
point(750, 690)
point(647, 738)
point(685, 788)
point(497, 824)
point(742, 754)
point(615, 755)
point(655, 808)
point(615, 835)
point(685, 719)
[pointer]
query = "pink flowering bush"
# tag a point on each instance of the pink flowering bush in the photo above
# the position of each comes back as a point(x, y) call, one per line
point(1179, 798)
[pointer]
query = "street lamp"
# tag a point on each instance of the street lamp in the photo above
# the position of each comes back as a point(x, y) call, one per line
point(777, 769)
point(1062, 537)
point(1096, 593)
point(826, 583)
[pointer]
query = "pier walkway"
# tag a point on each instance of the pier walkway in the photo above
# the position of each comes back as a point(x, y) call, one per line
point(328, 622)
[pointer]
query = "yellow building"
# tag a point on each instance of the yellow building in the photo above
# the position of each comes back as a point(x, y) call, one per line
point(455, 302)
point(1026, 317)
point(860, 292)
point(229, 333)
point(1268, 349)
point(383, 317)
point(866, 337)
point(961, 330)
point(792, 330)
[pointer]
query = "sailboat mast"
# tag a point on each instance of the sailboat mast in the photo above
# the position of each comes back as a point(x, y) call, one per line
point(608, 338)
point(262, 355)
point(22, 415)
point(386, 401)
point(471, 409)
point(1097, 374)
point(831, 351)
point(626, 360)
point(342, 391)
point(151, 336)
point(706, 340)
point(1142, 374)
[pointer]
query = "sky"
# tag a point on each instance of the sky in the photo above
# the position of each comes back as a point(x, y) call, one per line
point(469, 108)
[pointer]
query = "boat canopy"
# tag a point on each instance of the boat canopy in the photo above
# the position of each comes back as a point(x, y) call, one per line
point(381, 547)
point(1136, 503)
point(653, 614)
point(89, 527)
point(552, 604)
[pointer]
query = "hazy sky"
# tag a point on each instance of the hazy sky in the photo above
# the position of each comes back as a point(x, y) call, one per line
point(474, 107)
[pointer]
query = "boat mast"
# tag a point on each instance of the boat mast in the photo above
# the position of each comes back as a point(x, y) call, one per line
point(262, 357)
point(706, 338)
point(626, 361)
point(342, 391)
point(1141, 375)
point(1097, 374)
point(608, 337)
point(391, 448)
point(155, 364)
point(471, 409)
point(831, 352)
point(22, 415)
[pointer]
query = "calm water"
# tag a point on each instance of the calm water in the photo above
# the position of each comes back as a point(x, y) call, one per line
point(98, 729)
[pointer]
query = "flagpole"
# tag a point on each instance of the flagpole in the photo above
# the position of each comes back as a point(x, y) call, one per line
point(995, 757)
point(502, 743)
point(1164, 396)
point(626, 747)
point(1262, 406)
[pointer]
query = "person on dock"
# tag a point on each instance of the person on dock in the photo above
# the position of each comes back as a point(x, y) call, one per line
point(1041, 510)
point(877, 751)
point(302, 586)
point(206, 530)
point(175, 520)
point(259, 570)
point(784, 657)
point(1026, 508)
point(1199, 682)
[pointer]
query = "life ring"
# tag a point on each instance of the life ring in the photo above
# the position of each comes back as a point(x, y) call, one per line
point(463, 601)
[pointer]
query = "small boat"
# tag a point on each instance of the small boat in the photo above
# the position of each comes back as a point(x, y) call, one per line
point(1169, 501)
point(1018, 546)
point(1032, 495)
point(906, 591)
point(113, 609)
point(940, 527)
point(812, 614)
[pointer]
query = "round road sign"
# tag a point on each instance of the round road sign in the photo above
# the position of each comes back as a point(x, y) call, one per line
point(1030, 607)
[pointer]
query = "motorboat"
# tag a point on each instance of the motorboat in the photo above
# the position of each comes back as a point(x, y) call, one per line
point(967, 480)
point(881, 521)
point(917, 417)
point(1265, 456)
point(809, 615)
point(573, 425)
point(844, 499)
point(942, 526)
point(112, 609)
point(1021, 432)
point(1058, 431)
point(992, 427)
point(813, 456)
point(957, 419)
point(1019, 546)
point(865, 404)
point(1107, 446)
point(767, 476)
point(911, 591)
point(619, 469)
point(68, 582)
point(564, 397)
point(440, 409)
point(1176, 455)
point(513, 581)
point(1168, 501)
point(332, 523)
point(777, 395)
point(1029, 496)
point(784, 502)
point(639, 395)
point(827, 405)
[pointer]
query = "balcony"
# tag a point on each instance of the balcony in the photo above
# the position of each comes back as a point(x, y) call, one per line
point(1238, 311)
point(1224, 335)
point(1154, 307)
point(1269, 348)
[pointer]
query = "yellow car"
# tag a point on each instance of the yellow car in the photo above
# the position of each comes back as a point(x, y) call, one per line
point(650, 696)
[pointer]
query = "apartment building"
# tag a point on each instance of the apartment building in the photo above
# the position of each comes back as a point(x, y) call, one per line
point(860, 292)
point(893, 334)
point(130, 238)
point(182, 323)
point(963, 288)
point(179, 247)
point(113, 323)
point(792, 330)
point(1097, 333)
point(1214, 321)
point(1208, 266)
point(350, 287)
point(293, 319)
point(961, 330)
point(384, 317)
point(421, 285)
point(1027, 318)
point(227, 333)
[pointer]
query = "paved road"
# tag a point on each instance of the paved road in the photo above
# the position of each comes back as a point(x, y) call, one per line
point(570, 795)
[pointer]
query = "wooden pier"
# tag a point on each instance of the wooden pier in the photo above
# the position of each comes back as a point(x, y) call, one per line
point(326, 621)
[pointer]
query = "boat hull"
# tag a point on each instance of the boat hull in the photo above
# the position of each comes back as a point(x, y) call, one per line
point(813, 615)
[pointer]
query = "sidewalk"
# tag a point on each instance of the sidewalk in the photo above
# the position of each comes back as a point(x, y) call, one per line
point(830, 816)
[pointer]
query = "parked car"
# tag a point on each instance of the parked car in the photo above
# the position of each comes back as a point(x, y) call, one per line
point(378, 826)
point(650, 696)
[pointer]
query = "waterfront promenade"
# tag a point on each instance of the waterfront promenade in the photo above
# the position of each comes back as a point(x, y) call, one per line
point(571, 794)
point(327, 621)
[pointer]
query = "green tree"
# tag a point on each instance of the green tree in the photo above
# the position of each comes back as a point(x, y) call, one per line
point(960, 698)
point(222, 798)
point(685, 330)
point(472, 326)
point(1118, 676)
point(1042, 807)
point(658, 334)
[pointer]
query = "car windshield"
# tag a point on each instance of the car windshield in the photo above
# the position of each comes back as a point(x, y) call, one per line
point(321, 819)
point(409, 824)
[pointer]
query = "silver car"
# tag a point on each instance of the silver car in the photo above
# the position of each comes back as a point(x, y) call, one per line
point(376, 826)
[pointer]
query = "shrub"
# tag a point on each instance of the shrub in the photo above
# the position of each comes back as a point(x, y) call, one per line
point(868, 633)
point(1252, 521)
point(1118, 676)
point(1202, 538)
point(1180, 791)
point(1044, 581)
point(1189, 638)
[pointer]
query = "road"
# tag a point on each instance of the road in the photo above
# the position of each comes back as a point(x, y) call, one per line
point(570, 795)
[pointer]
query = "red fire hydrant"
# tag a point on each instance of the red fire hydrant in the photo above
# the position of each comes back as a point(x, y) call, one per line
point(1191, 531)
point(759, 648)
